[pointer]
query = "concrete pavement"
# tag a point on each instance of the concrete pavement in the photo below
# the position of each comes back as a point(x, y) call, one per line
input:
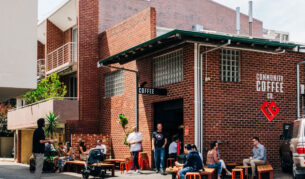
point(10, 170)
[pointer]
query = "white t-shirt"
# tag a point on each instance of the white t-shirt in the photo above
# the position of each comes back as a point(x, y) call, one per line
point(135, 137)
point(172, 148)
point(102, 147)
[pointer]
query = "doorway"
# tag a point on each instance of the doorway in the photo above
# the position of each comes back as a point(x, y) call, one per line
point(170, 114)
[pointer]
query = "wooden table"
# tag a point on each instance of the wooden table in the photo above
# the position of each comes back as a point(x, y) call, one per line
point(82, 163)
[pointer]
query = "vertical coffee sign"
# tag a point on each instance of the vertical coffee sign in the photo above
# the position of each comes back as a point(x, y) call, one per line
point(269, 84)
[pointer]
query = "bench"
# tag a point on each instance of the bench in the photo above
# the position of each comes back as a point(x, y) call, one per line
point(78, 163)
point(209, 172)
point(265, 169)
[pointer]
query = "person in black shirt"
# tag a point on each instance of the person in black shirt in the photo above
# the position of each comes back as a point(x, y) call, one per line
point(159, 141)
point(193, 162)
point(39, 141)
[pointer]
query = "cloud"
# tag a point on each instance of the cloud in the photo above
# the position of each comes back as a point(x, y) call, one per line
point(283, 15)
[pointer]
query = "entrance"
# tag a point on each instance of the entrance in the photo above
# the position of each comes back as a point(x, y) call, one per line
point(170, 114)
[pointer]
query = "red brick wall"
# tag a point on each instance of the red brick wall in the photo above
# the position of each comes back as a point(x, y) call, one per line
point(129, 33)
point(125, 103)
point(67, 36)
point(87, 73)
point(90, 142)
point(178, 14)
point(40, 50)
point(232, 110)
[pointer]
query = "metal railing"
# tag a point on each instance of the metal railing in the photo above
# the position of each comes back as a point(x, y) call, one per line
point(40, 67)
point(44, 100)
point(62, 55)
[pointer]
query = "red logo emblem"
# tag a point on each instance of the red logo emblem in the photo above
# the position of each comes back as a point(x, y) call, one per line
point(270, 110)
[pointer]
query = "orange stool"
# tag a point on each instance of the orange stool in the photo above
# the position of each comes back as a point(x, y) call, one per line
point(123, 166)
point(143, 160)
point(246, 169)
point(171, 162)
point(235, 170)
point(192, 175)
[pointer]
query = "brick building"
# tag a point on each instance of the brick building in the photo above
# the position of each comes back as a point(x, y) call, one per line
point(216, 86)
point(81, 33)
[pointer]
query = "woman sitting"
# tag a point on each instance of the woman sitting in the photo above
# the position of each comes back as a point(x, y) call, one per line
point(223, 165)
point(83, 152)
point(212, 159)
point(68, 156)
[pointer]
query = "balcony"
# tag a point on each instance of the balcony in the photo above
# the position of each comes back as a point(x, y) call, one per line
point(40, 68)
point(62, 59)
point(26, 117)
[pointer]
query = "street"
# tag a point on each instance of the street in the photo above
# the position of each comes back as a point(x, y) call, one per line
point(10, 170)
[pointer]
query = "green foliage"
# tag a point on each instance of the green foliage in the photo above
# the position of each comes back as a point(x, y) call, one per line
point(51, 124)
point(3, 120)
point(47, 88)
point(127, 130)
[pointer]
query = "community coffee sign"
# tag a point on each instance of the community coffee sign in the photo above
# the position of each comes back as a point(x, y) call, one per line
point(152, 91)
point(269, 84)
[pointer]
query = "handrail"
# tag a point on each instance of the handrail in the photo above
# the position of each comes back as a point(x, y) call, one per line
point(44, 100)
point(73, 43)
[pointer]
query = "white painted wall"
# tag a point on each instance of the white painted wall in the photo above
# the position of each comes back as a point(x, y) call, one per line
point(18, 47)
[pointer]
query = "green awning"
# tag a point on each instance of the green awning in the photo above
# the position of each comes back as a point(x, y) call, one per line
point(176, 37)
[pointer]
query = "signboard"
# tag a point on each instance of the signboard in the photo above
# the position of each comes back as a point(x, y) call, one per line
point(152, 91)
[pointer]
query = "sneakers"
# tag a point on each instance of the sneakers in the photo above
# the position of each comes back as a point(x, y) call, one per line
point(138, 172)
point(162, 172)
point(130, 172)
point(157, 171)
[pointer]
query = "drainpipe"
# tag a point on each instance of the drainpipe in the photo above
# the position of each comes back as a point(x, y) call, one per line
point(298, 88)
point(198, 87)
point(136, 94)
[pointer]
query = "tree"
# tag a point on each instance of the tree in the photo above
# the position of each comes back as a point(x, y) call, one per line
point(51, 126)
point(3, 120)
point(127, 130)
point(47, 88)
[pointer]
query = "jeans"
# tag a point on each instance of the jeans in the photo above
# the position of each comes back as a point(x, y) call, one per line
point(135, 160)
point(62, 161)
point(217, 166)
point(183, 171)
point(159, 158)
point(39, 159)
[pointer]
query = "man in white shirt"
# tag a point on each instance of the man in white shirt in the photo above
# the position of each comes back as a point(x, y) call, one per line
point(101, 146)
point(135, 141)
point(172, 150)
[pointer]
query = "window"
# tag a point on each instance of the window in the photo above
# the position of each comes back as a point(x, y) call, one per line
point(73, 86)
point(230, 65)
point(168, 68)
point(114, 83)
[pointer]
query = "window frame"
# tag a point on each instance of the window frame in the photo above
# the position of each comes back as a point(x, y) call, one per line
point(227, 67)
point(113, 93)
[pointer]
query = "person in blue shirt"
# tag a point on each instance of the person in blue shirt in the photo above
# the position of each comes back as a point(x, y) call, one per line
point(259, 156)
point(193, 162)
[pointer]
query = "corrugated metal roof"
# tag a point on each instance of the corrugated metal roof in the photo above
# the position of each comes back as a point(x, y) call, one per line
point(175, 37)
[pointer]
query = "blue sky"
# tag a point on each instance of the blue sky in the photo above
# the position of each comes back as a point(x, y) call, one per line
point(283, 15)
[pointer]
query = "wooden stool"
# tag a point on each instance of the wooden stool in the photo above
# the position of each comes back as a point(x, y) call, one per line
point(234, 171)
point(143, 160)
point(192, 175)
point(246, 169)
point(265, 169)
point(171, 162)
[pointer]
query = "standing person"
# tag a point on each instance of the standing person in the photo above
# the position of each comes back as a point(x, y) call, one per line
point(259, 156)
point(135, 141)
point(212, 159)
point(101, 146)
point(172, 149)
point(159, 142)
point(39, 141)
point(193, 162)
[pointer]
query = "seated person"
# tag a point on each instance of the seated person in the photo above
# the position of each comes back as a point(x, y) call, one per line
point(200, 154)
point(212, 159)
point(259, 156)
point(83, 152)
point(101, 146)
point(223, 165)
point(68, 151)
point(172, 150)
point(193, 162)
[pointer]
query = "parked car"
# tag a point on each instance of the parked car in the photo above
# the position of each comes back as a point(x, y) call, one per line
point(292, 148)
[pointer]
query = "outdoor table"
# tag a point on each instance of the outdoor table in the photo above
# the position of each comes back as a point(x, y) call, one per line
point(173, 171)
point(82, 163)
point(231, 165)
point(115, 160)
